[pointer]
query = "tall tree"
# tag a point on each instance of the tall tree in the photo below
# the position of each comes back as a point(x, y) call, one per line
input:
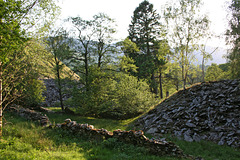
point(161, 61)
point(205, 57)
point(146, 30)
point(233, 38)
point(16, 26)
point(58, 44)
point(94, 47)
point(104, 28)
point(10, 37)
point(188, 27)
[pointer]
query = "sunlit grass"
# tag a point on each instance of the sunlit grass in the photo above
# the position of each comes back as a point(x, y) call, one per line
point(27, 140)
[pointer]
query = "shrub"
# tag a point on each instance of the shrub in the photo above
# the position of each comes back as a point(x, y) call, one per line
point(119, 96)
point(33, 93)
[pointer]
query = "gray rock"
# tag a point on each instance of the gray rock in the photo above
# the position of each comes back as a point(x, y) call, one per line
point(188, 138)
point(191, 125)
point(152, 130)
point(208, 111)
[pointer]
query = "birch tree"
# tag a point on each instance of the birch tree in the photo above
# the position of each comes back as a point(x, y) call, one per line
point(187, 27)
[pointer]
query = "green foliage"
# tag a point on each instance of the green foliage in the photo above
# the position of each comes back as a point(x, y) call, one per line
point(10, 31)
point(233, 39)
point(129, 48)
point(32, 95)
point(145, 32)
point(186, 27)
point(145, 27)
point(214, 73)
point(115, 96)
point(127, 65)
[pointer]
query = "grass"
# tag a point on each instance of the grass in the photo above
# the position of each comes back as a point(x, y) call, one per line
point(207, 150)
point(23, 139)
point(108, 124)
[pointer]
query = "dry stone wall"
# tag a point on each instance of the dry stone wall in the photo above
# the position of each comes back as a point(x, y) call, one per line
point(207, 111)
point(157, 147)
point(30, 115)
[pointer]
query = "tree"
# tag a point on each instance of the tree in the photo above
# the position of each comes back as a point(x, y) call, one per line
point(161, 61)
point(233, 38)
point(214, 73)
point(94, 37)
point(16, 22)
point(11, 36)
point(130, 50)
point(188, 27)
point(59, 47)
point(104, 28)
point(174, 74)
point(194, 75)
point(206, 56)
point(145, 31)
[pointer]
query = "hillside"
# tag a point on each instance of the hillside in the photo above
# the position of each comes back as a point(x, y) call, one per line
point(207, 111)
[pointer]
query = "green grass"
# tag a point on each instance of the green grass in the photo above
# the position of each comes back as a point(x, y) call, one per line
point(108, 124)
point(207, 150)
point(23, 139)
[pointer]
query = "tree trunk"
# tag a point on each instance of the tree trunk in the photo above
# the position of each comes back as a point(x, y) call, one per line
point(1, 111)
point(59, 87)
point(167, 93)
point(160, 83)
point(86, 70)
point(183, 77)
point(203, 75)
point(154, 84)
point(99, 61)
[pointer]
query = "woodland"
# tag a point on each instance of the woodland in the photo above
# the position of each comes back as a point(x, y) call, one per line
point(98, 76)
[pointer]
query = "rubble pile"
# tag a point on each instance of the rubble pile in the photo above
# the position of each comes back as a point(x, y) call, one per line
point(157, 147)
point(30, 115)
point(207, 111)
point(51, 94)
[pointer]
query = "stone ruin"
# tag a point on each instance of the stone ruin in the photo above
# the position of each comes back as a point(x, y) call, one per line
point(30, 115)
point(207, 111)
point(156, 147)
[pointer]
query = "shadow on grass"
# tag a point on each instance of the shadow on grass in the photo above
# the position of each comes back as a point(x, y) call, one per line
point(27, 140)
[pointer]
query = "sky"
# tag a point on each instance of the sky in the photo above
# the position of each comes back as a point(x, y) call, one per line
point(122, 10)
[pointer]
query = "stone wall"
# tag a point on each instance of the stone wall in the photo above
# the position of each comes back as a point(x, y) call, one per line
point(156, 147)
point(30, 114)
point(207, 111)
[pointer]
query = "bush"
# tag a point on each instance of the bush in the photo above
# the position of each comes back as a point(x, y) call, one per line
point(33, 93)
point(119, 96)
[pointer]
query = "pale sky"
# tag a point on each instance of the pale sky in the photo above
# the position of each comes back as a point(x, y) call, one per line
point(122, 10)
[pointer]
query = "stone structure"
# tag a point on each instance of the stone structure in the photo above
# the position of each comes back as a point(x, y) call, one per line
point(156, 147)
point(30, 115)
point(207, 111)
